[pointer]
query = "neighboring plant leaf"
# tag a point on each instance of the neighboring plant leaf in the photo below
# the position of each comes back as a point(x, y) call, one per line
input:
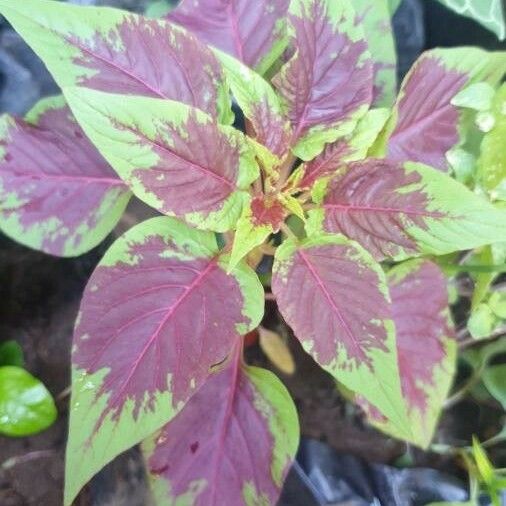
point(494, 378)
point(327, 85)
point(232, 444)
point(393, 5)
point(399, 211)
point(26, 407)
point(152, 323)
point(375, 19)
point(11, 353)
point(335, 297)
point(425, 125)
point(497, 303)
point(158, 8)
point(262, 217)
point(174, 157)
point(57, 194)
point(426, 344)
point(492, 161)
point(276, 350)
point(351, 148)
point(253, 32)
point(259, 103)
point(119, 52)
point(490, 13)
point(481, 322)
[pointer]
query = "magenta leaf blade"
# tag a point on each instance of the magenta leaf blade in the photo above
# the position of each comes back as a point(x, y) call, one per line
point(426, 124)
point(115, 51)
point(151, 325)
point(57, 193)
point(335, 298)
point(233, 442)
point(426, 344)
point(252, 32)
point(327, 85)
point(174, 157)
point(398, 211)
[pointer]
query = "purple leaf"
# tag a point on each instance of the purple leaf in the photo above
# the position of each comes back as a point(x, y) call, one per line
point(398, 211)
point(327, 85)
point(426, 124)
point(232, 444)
point(253, 32)
point(151, 325)
point(174, 157)
point(335, 298)
point(119, 52)
point(57, 193)
point(363, 202)
point(426, 346)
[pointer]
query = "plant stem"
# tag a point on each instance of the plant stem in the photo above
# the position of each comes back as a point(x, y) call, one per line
point(288, 231)
point(284, 170)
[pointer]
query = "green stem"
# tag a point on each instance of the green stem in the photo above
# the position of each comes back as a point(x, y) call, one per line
point(474, 268)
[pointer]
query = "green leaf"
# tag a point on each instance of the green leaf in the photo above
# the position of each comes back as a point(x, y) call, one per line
point(492, 161)
point(393, 5)
point(478, 96)
point(259, 103)
point(174, 157)
point(490, 13)
point(11, 353)
point(481, 322)
point(375, 16)
point(26, 407)
point(494, 378)
point(497, 304)
point(158, 9)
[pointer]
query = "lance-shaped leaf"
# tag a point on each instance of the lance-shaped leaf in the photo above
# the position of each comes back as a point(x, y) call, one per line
point(335, 297)
point(425, 124)
point(262, 217)
point(426, 345)
point(259, 103)
point(398, 211)
point(57, 194)
point(151, 325)
point(374, 16)
point(232, 443)
point(352, 147)
point(118, 52)
point(174, 157)
point(490, 13)
point(327, 85)
point(253, 32)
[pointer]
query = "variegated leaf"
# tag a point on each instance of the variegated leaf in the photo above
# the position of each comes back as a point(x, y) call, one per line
point(327, 85)
point(174, 157)
point(426, 345)
point(335, 297)
point(233, 442)
point(115, 51)
point(426, 125)
point(253, 32)
point(57, 194)
point(398, 211)
point(151, 325)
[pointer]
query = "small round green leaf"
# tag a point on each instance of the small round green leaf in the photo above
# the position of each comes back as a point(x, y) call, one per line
point(26, 407)
point(11, 353)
